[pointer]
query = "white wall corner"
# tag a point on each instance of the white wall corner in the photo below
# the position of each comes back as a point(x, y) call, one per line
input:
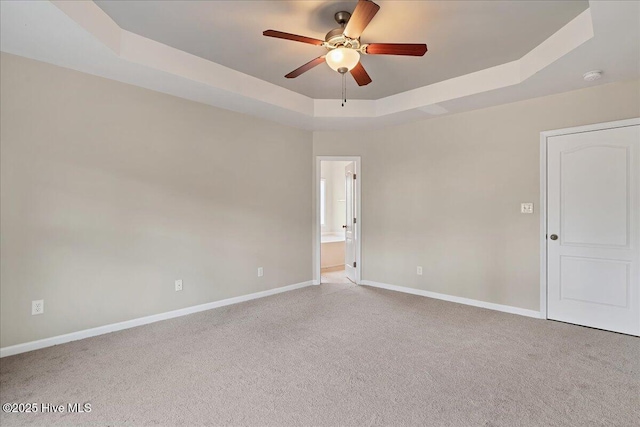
point(94, 20)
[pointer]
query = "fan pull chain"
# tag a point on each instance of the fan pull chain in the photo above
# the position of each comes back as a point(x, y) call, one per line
point(344, 88)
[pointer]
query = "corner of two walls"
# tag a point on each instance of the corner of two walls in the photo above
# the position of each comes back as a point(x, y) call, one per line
point(445, 193)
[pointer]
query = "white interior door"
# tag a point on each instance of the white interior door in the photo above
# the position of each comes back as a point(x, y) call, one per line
point(350, 221)
point(593, 229)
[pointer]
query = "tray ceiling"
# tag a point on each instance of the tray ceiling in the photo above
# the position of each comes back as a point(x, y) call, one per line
point(83, 37)
point(463, 37)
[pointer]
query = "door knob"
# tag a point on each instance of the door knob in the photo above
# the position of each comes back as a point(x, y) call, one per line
point(344, 226)
point(554, 237)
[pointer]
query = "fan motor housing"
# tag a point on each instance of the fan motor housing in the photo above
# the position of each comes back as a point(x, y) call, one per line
point(334, 35)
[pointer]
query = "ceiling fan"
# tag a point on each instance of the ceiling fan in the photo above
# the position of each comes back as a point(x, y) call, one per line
point(344, 44)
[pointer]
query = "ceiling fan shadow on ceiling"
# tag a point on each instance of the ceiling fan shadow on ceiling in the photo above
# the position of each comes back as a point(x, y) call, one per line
point(344, 45)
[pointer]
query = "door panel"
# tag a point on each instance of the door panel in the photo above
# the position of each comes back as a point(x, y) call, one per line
point(595, 184)
point(351, 222)
point(594, 209)
point(582, 279)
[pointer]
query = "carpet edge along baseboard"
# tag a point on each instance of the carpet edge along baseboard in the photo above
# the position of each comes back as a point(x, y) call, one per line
point(113, 327)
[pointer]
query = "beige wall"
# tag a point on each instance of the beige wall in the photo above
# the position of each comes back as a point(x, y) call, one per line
point(445, 193)
point(111, 192)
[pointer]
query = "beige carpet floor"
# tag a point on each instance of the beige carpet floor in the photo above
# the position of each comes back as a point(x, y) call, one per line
point(336, 355)
point(339, 276)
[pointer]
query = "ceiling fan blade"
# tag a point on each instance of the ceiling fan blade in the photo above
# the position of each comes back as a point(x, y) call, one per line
point(408, 49)
point(306, 67)
point(293, 37)
point(360, 75)
point(363, 14)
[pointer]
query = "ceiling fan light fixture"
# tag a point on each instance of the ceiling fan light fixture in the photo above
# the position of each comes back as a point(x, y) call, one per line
point(343, 57)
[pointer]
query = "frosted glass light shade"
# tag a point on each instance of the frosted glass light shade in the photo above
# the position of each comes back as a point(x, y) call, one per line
point(342, 57)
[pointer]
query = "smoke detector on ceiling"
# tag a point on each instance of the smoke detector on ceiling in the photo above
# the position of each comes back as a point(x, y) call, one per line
point(592, 75)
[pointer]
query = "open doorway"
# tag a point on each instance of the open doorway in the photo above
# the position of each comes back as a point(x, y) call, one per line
point(338, 223)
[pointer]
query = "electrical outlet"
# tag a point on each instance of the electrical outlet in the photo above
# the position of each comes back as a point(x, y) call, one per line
point(178, 285)
point(419, 271)
point(526, 208)
point(260, 272)
point(37, 307)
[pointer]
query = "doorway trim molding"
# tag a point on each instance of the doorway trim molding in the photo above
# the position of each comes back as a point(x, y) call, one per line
point(543, 192)
point(317, 229)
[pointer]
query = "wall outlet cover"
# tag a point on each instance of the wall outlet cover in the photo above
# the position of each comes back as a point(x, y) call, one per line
point(178, 285)
point(526, 208)
point(260, 272)
point(37, 307)
point(419, 271)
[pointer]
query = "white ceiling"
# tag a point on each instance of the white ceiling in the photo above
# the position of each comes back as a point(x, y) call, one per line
point(462, 36)
point(81, 36)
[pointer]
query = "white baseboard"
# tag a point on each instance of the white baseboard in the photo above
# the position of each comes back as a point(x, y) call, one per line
point(100, 330)
point(459, 300)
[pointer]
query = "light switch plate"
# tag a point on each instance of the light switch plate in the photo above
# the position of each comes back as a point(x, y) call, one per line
point(178, 285)
point(526, 208)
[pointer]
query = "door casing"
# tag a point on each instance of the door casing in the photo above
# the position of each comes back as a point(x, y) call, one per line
point(543, 193)
point(317, 229)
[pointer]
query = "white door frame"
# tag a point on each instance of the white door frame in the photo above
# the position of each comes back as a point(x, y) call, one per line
point(358, 214)
point(543, 193)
